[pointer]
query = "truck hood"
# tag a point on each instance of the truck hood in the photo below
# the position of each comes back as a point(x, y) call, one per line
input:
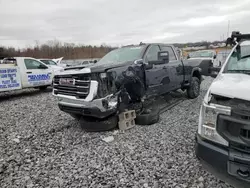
point(232, 86)
point(74, 71)
point(96, 68)
point(55, 68)
point(103, 67)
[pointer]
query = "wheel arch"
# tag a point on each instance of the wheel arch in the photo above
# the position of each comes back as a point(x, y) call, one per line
point(196, 72)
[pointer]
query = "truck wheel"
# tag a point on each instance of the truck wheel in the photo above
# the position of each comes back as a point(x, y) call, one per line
point(148, 117)
point(42, 88)
point(76, 116)
point(194, 89)
point(90, 124)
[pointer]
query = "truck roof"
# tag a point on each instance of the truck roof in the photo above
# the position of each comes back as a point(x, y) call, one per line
point(147, 44)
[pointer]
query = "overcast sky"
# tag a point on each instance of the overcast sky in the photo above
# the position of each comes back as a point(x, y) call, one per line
point(119, 22)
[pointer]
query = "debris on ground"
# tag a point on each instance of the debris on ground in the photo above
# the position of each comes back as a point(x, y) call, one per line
point(108, 139)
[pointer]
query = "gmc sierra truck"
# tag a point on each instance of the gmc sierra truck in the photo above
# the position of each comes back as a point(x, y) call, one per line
point(223, 138)
point(127, 74)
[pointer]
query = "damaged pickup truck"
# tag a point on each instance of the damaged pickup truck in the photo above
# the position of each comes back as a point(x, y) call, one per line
point(126, 75)
point(223, 139)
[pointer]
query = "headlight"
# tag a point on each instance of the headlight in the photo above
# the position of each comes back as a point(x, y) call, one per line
point(103, 75)
point(208, 121)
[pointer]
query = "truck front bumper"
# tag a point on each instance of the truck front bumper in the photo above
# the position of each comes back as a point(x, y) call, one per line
point(98, 108)
point(232, 166)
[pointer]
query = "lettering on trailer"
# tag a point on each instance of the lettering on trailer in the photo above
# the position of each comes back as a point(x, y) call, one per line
point(9, 78)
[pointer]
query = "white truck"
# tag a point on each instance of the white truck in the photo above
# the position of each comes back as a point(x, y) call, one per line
point(24, 72)
point(223, 139)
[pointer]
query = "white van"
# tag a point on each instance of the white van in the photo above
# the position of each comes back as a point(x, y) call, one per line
point(24, 72)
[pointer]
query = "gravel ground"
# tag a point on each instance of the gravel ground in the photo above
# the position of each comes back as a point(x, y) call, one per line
point(40, 146)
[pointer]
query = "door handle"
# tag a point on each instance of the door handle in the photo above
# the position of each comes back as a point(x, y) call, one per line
point(29, 72)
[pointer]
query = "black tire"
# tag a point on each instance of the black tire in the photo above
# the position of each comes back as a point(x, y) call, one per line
point(193, 90)
point(76, 116)
point(148, 118)
point(42, 88)
point(90, 124)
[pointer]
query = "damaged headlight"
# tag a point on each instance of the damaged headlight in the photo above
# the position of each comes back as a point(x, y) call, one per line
point(109, 102)
point(208, 121)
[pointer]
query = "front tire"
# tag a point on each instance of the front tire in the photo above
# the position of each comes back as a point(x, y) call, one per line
point(76, 116)
point(91, 124)
point(193, 90)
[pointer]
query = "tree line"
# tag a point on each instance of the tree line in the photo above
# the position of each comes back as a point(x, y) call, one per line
point(55, 49)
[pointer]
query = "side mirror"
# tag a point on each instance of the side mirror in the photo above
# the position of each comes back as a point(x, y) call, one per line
point(148, 66)
point(215, 56)
point(214, 71)
point(163, 56)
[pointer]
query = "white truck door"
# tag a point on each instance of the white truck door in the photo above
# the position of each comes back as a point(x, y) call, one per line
point(36, 73)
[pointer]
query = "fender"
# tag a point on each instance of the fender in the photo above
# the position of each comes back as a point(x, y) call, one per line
point(196, 71)
point(131, 78)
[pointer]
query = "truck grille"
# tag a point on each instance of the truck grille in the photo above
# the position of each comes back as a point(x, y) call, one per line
point(79, 88)
point(236, 128)
point(245, 133)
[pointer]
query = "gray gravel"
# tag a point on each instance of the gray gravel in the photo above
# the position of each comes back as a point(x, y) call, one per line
point(40, 146)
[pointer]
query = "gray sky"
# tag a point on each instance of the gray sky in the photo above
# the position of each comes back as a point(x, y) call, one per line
point(119, 22)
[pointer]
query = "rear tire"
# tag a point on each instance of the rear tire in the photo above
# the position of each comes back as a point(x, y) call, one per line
point(90, 124)
point(193, 90)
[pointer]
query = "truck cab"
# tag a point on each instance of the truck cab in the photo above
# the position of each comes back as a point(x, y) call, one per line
point(24, 72)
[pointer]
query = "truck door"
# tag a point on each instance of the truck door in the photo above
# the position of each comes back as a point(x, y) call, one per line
point(175, 67)
point(35, 73)
point(158, 80)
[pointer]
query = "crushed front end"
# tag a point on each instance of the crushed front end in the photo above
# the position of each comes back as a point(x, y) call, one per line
point(86, 93)
point(98, 94)
point(223, 138)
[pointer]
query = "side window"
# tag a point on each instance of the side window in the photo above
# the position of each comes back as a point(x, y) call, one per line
point(33, 64)
point(152, 53)
point(172, 56)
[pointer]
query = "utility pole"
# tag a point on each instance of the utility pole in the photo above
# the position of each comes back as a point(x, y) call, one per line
point(228, 26)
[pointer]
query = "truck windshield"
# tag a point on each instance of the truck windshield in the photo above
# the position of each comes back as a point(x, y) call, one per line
point(201, 54)
point(122, 55)
point(239, 62)
point(48, 62)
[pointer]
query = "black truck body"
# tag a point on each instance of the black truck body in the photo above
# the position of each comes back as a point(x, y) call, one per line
point(133, 72)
